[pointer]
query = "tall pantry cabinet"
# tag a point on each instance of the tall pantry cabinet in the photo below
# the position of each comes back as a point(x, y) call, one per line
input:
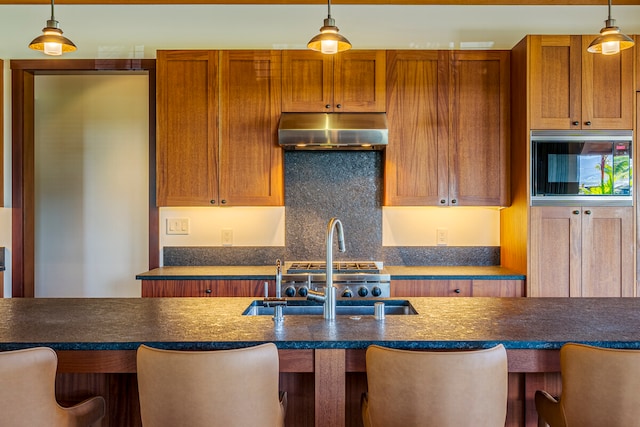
point(218, 114)
point(567, 250)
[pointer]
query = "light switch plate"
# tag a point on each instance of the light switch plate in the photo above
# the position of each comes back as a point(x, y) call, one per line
point(177, 225)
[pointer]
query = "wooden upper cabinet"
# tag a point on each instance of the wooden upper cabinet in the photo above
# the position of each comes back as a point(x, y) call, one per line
point(235, 162)
point(479, 118)
point(251, 162)
point(448, 115)
point(187, 132)
point(351, 81)
point(581, 252)
point(416, 159)
point(574, 89)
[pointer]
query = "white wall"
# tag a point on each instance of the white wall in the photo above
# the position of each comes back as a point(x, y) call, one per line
point(418, 226)
point(91, 184)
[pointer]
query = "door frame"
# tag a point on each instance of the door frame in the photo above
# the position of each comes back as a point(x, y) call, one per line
point(23, 74)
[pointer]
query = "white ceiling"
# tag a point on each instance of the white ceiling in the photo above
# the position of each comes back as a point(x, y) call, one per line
point(121, 31)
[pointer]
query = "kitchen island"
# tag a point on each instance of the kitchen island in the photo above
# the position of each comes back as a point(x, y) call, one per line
point(322, 362)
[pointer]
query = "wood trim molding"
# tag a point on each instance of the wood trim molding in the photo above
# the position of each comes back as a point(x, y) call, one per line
point(22, 157)
point(355, 2)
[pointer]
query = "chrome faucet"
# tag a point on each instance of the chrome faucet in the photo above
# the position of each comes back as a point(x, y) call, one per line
point(278, 303)
point(329, 290)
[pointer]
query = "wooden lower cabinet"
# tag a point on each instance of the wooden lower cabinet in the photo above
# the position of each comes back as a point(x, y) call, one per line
point(206, 288)
point(582, 252)
point(457, 288)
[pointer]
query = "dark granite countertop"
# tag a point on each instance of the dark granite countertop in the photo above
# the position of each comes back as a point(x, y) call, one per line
point(267, 272)
point(217, 323)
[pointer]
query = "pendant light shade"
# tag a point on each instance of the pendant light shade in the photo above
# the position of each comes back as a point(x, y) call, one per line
point(52, 42)
point(611, 40)
point(329, 41)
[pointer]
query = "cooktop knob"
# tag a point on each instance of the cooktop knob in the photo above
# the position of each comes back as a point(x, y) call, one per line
point(376, 291)
point(347, 293)
point(290, 291)
point(363, 292)
point(303, 291)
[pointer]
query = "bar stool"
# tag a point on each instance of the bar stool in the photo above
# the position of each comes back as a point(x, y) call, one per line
point(427, 388)
point(27, 393)
point(600, 387)
point(222, 388)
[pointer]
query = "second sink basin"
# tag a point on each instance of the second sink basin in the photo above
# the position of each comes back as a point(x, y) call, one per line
point(343, 307)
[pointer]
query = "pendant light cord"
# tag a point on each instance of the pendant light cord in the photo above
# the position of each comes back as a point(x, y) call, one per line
point(329, 7)
point(53, 18)
point(609, 10)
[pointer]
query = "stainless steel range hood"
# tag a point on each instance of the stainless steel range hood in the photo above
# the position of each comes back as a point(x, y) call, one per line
point(333, 131)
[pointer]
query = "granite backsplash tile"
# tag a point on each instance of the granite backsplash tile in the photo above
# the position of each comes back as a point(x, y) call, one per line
point(322, 185)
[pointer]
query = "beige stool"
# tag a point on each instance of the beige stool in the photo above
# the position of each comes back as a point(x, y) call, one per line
point(27, 393)
point(443, 389)
point(600, 387)
point(222, 388)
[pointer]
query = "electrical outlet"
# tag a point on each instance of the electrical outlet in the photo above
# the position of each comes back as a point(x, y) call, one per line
point(442, 236)
point(177, 225)
point(227, 237)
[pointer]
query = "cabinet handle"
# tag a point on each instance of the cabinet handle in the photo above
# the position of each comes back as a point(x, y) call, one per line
point(454, 201)
point(576, 212)
point(208, 291)
point(576, 123)
point(587, 212)
point(224, 202)
point(339, 106)
point(327, 106)
point(588, 123)
point(457, 291)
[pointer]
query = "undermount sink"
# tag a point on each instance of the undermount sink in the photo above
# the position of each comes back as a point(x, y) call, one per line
point(343, 308)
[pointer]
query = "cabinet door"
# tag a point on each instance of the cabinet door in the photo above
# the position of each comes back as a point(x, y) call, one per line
point(607, 89)
point(431, 288)
point(307, 81)
point(478, 143)
point(359, 81)
point(555, 252)
point(251, 162)
point(187, 133)
point(555, 82)
point(497, 288)
point(206, 288)
point(416, 162)
point(607, 252)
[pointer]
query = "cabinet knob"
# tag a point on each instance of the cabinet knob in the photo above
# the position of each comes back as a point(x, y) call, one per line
point(213, 202)
point(327, 106)
point(457, 291)
point(587, 212)
point(339, 106)
point(588, 123)
point(208, 291)
point(443, 202)
point(454, 201)
point(575, 212)
point(224, 202)
point(576, 123)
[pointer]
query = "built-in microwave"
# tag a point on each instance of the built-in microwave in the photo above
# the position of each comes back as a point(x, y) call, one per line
point(576, 168)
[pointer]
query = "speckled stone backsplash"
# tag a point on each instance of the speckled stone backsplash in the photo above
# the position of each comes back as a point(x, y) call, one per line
point(321, 185)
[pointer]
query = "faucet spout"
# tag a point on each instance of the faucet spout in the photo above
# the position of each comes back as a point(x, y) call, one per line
point(329, 291)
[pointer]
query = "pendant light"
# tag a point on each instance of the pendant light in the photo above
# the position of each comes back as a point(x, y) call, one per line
point(329, 41)
point(611, 40)
point(52, 42)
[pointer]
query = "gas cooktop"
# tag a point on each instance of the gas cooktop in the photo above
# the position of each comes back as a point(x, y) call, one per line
point(339, 267)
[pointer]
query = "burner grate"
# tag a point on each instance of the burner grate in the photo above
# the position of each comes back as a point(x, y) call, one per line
point(338, 267)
